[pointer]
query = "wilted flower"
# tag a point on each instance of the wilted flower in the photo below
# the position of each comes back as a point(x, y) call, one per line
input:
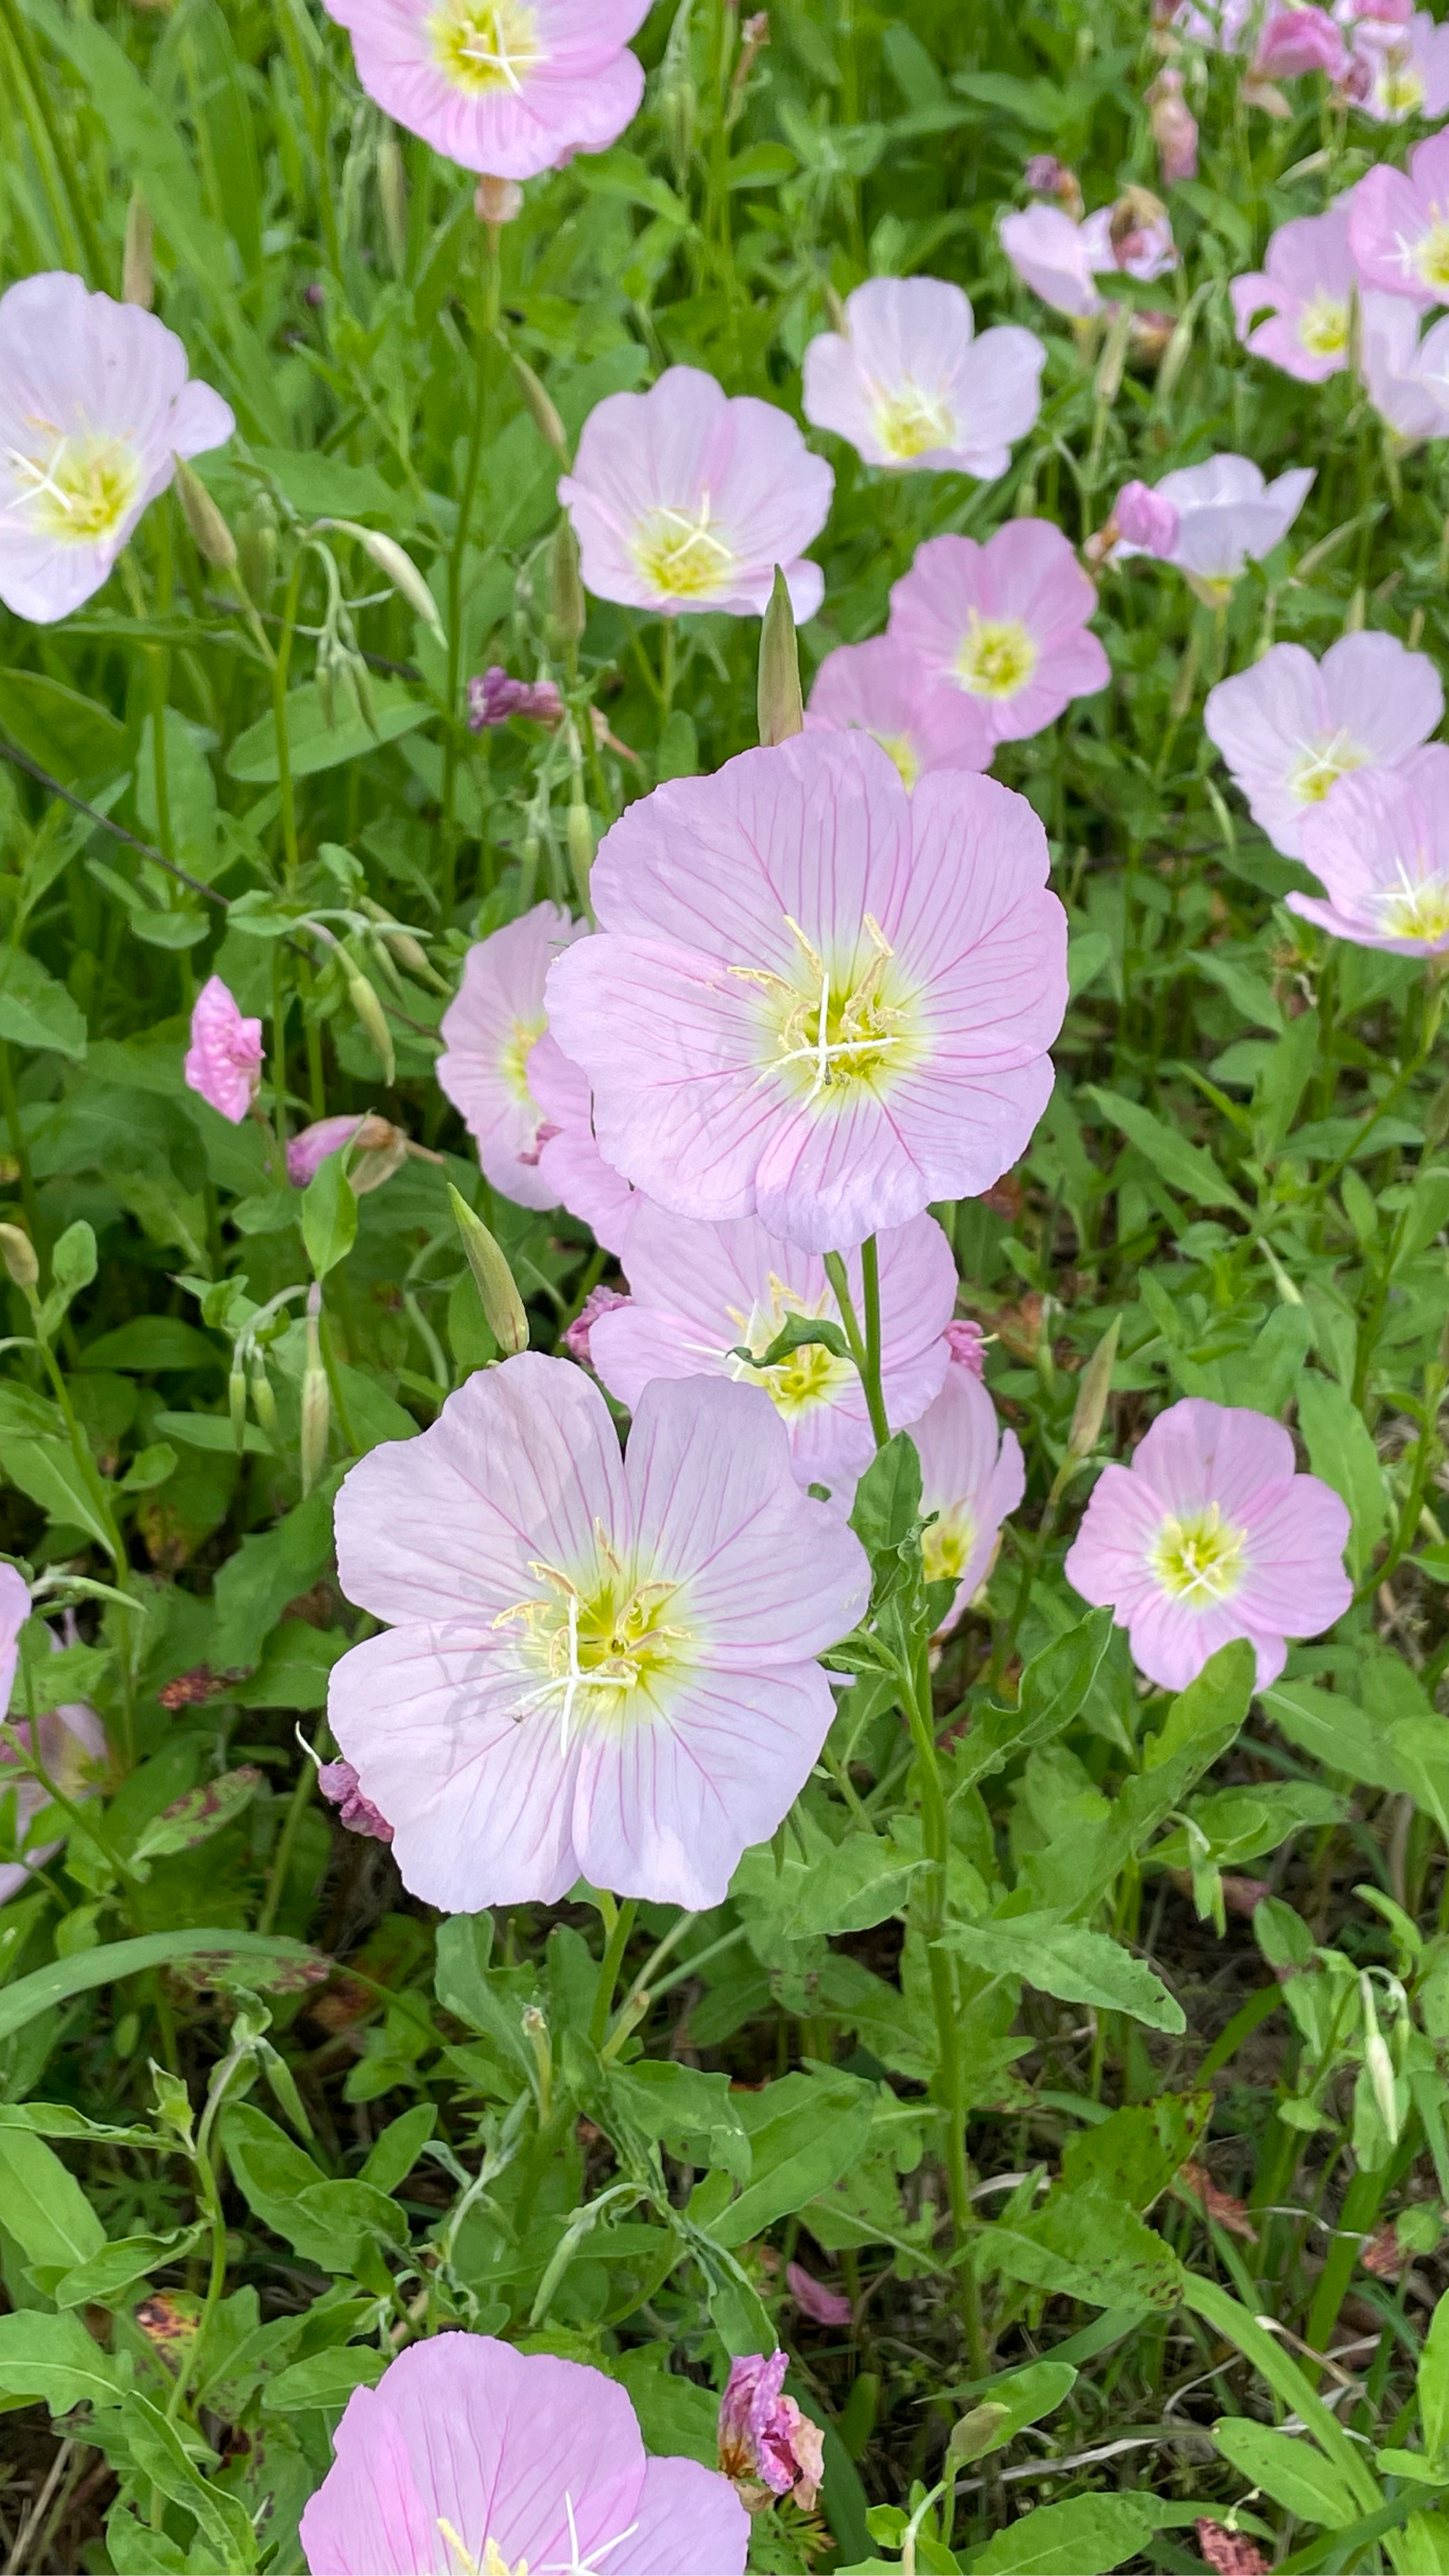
point(971, 1477)
point(505, 87)
point(380, 1149)
point(95, 407)
point(1006, 622)
point(968, 1344)
point(339, 1786)
point(489, 1033)
point(469, 2455)
point(1307, 285)
point(69, 1742)
point(1290, 727)
point(701, 1293)
point(1046, 176)
point(1407, 377)
point(812, 997)
point(1211, 1534)
point(684, 499)
point(495, 696)
point(1298, 40)
point(497, 202)
point(766, 2445)
point(1228, 2553)
point(823, 2307)
point(1174, 127)
point(1139, 235)
point(1145, 522)
point(881, 688)
point(570, 1165)
point(1379, 845)
point(224, 1059)
point(598, 1668)
point(1398, 225)
point(1227, 514)
point(578, 1339)
point(1404, 68)
point(910, 386)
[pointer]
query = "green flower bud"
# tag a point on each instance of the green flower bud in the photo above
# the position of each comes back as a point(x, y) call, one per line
point(781, 711)
point(503, 1308)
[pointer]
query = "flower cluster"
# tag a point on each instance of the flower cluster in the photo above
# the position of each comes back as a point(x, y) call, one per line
point(1381, 253)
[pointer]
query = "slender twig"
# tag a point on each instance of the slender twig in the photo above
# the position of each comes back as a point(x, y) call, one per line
point(103, 822)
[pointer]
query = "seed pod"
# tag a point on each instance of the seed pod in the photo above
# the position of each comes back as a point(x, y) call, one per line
point(18, 1254)
point(503, 1308)
point(236, 1401)
point(497, 202)
point(264, 1403)
point(138, 266)
point(1093, 1388)
point(316, 1402)
point(541, 409)
point(392, 196)
point(581, 846)
point(212, 537)
point(373, 1017)
point(568, 607)
point(781, 711)
point(402, 945)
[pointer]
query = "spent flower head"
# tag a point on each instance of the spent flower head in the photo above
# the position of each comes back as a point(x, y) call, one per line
point(224, 1060)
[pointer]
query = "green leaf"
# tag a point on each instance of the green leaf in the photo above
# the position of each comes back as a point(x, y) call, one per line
point(662, 2099)
point(1433, 2386)
point(1289, 2470)
point(329, 1216)
point(825, 1887)
point(152, 1343)
point(42, 2205)
point(1086, 2536)
point(1336, 1733)
point(212, 1431)
point(1066, 1960)
point(1188, 1168)
point(1088, 2245)
point(275, 2178)
point(1342, 1452)
point(805, 2131)
point(267, 1571)
point(261, 1958)
point(101, 2281)
point(198, 1814)
point(53, 2360)
point(36, 1011)
point(313, 744)
point(393, 2154)
point(1017, 2398)
point(888, 1498)
point(79, 741)
point(1136, 2151)
point(157, 2450)
point(324, 2379)
point(47, 1471)
point(796, 1333)
point(295, 1666)
point(1053, 1689)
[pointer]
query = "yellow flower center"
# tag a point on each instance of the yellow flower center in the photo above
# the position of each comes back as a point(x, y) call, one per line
point(597, 1638)
point(811, 1375)
point(830, 1032)
point(513, 1062)
point(485, 46)
point(900, 748)
point(1323, 325)
point(1401, 88)
point(1200, 1558)
point(1431, 258)
point(997, 658)
point(1417, 911)
point(80, 489)
point(1323, 763)
point(947, 1544)
point(494, 2562)
point(910, 422)
point(681, 555)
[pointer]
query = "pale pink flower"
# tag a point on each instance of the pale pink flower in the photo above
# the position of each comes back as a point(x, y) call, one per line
point(1404, 68)
point(570, 1165)
point(1298, 40)
point(599, 1667)
point(971, 1477)
point(1174, 127)
point(881, 688)
point(682, 498)
point(823, 2307)
point(339, 1786)
point(1290, 727)
point(1222, 24)
point(224, 1060)
point(1307, 285)
point(910, 386)
point(489, 1034)
point(968, 1344)
point(506, 87)
point(764, 2440)
point(70, 1742)
point(1226, 514)
point(1058, 257)
point(1379, 845)
point(1145, 522)
point(495, 696)
point(578, 1339)
point(1006, 622)
point(380, 1149)
point(701, 1293)
point(814, 998)
point(1211, 1534)
point(468, 2454)
point(95, 407)
point(1399, 225)
point(1407, 377)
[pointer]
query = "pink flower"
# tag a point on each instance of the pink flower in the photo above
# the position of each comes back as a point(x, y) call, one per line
point(1407, 377)
point(1145, 522)
point(702, 1292)
point(909, 386)
point(496, 696)
point(1308, 287)
point(224, 1059)
point(507, 87)
point(1290, 727)
point(70, 1742)
point(880, 688)
point(1174, 128)
point(339, 1786)
point(1139, 235)
point(598, 1668)
point(764, 2440)
point(971, 1477)
point(1211, 1535)
point(1399, 225)
point(468, 2454)
point(381, 1150)
point(814, 998)
point(570, 1165)
point(1222, 25)
point(683, 499)
point(489, 1034)
point(823, 2307)
point(1405, 68)
point(1379, 845)
point(578, 1340)
point(967, 1345)
point(1226, 514)
point(1298, 40)
point(95, 408)
point(1006, 622)
point(1057, 257)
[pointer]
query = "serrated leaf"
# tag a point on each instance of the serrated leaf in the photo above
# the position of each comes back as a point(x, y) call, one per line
point(1068, 1961)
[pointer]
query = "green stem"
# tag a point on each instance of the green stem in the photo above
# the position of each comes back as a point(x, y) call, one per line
point(41, 89)
point(935, 1841)
point(870, 1285)
point(281, 662)
point(614, 1949)
point(457, 554)
point(297, 1806)
point(668, 669)
point(858, 1340)
point(28, 1200)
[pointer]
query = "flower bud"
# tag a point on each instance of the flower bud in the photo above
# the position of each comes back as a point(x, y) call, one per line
point(316, 1402)
point(401, 944)
point(236, 1401)
point(401, 571)
point(256, 536)
point(1143, 518)
point(1174, 128)
point(1108, 381)
point(781, 712)
point(678, 97)
point(541, 409)
point(581, 846)
point(373, 1017)
point(1093, 1388)
point(392, 195)
point(264, 1403)
point(18, 1254)
point(569, 610)
point(497, 202)
point(503, 1308)
point(339, 1785)
point(211, 536)
point(138, 266)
